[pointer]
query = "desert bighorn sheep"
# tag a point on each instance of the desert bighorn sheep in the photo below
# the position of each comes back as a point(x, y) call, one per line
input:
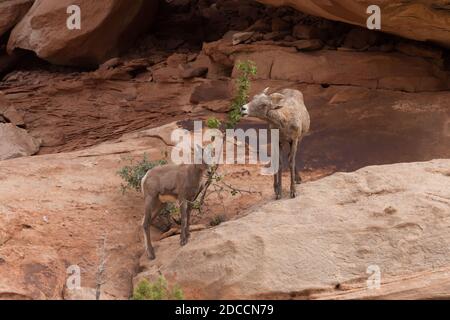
point(287, 112)
point(168, 184)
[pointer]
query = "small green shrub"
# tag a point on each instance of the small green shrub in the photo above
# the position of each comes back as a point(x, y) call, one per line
point(213, 123)
point(247, 70)
point(133, 173)
point(217, 220)
point(159, 290)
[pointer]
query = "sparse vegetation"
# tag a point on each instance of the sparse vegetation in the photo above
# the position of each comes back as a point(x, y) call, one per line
point(213, 123)
point(133, 173)
point(219, 219)
point(247, 69)
point(159, 290)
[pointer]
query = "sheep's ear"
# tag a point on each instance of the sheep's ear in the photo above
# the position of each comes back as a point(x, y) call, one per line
point(276, 100)
point(266, 90)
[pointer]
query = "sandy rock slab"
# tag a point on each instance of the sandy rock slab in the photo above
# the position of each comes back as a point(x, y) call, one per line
point(30, 272)
point(65, 210)
point(16, 142)
point(391, 218)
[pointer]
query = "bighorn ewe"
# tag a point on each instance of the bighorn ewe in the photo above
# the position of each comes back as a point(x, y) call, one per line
point(167, 184)
point(287, 112)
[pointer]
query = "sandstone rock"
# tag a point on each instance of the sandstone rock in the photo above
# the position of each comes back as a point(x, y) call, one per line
point(16, 142)
point(38, 272)
point(279, 25)
point(419, 50)
point(241, 37)
point(51, 218)
point(84, 293)
point(368, 69)
point(11, 11)
point(305, 32)
point(9, 112)
point(260, 25)
point(13, 116)
point(7, 63)
point(176, 59)
point(194, 72)
point(276, 35)
point(418, 20)
point(359, 38)
point(322, 244)
point(106, 30)
point(209, 91)
point(308, 45)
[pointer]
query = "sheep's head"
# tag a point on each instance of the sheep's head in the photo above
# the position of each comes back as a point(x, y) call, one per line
point(261, 104)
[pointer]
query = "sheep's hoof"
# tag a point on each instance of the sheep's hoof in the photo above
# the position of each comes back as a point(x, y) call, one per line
point(278, 197)
point(298, 180)
point(151, 255)
point(183, 242)
point(293, 194)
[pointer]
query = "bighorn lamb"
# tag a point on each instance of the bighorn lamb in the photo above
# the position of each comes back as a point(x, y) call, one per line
point(287, 112)
point(167, 184)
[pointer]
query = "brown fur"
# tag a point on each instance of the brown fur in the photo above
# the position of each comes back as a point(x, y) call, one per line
point(287, 112)
point(168, 184)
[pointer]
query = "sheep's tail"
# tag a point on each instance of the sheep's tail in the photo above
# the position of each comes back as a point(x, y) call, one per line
point(143, 182)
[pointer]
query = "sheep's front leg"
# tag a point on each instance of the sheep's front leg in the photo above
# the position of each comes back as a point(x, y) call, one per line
point(149, 208)
point(184, 222)
point(279, 175)
point(292, 154)
point(298, 178)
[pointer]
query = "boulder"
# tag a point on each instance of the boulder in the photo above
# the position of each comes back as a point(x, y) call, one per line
point(13, 116)
point(38, 272)
point(11, 11)
point(9, 113)
point(378, 70)
point(240, 37)
point(106, 30)
point(16, 142)
point(308, 45)
point(328, 242)
point(417, 20)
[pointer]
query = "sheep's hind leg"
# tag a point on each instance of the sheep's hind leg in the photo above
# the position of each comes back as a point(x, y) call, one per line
point(298, 178)
point(292, 167)
point(152, 208)
point(184, 223)
point(279, 182)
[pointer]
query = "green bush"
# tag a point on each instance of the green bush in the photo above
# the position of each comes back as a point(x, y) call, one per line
point(159, 290)
point(213, 123)
point(247, 69)
point(133, 173)
point(217, 220)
